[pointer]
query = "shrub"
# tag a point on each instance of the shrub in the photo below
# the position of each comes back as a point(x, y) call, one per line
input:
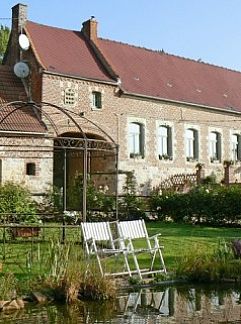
point(53, 201)
point(16, 200)
point(95, 199)
point(215, 205)
point(131, 206)
point(170, 205)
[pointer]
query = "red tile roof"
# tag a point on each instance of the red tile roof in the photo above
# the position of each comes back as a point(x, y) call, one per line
point(65, 51)
point(24, 119)
point(157, 74)
point(142, 72)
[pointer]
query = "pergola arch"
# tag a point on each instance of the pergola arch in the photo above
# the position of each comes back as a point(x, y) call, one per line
point(60, 125)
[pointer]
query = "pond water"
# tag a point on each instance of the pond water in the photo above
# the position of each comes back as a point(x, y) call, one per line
point(179, 304)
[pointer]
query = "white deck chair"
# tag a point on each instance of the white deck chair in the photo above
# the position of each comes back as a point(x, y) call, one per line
point(98, 233)
point(132, 230)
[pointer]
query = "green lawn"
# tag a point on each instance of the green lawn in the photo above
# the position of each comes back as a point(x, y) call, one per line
point(178, 240)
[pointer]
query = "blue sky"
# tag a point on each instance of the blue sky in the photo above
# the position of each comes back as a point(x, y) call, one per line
point(209, 30)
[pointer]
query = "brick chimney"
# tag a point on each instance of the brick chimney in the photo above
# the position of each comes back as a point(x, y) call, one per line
point(19, 19)
point(90, 29)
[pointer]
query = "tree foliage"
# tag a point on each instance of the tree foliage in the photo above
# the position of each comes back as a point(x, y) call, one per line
point(4, 36)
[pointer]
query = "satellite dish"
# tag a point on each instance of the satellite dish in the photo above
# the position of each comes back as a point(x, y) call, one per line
point(21, 70)
point(23, 42)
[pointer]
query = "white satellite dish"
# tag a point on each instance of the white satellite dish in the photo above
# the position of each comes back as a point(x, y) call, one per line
point(23, 42)
point(21, 70)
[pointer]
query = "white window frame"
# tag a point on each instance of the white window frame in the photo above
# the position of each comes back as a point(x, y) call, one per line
point(164, 142)
point(136, 139)
point(191, 144)
point(215, 146)
point(234, 147)
point(96, 100)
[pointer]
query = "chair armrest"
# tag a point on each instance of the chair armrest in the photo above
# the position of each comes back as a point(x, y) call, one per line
point(154, 236)
point(89, 240)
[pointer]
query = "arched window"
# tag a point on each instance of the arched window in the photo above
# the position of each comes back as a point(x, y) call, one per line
point(136, 140)
point(192, 144)
point(215, 147)
point(164, 142)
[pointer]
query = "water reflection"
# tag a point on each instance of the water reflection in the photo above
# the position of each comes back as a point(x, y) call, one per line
point(179, 304)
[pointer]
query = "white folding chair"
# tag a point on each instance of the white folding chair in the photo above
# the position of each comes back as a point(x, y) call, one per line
point(130, 231)
point(98, 234)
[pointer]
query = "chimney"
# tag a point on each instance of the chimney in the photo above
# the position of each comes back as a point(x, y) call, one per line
point(89, 29)
point(19, 19)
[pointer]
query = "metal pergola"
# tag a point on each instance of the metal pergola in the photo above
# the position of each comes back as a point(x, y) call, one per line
point(58, 121)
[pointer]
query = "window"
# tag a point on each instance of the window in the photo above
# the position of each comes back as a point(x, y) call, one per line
point(192, 149)
point(236, 147)
point(164, 142)
point(69, 97)
point(215, 146)
point(136, 140)
point(96, 99)
point(31, 169)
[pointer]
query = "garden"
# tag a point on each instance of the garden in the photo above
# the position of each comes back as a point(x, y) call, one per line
point(200, 229)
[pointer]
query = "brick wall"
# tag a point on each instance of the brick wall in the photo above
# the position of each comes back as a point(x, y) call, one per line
point(117, 111)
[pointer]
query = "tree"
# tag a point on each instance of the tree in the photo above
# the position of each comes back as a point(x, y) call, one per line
point(4, 36)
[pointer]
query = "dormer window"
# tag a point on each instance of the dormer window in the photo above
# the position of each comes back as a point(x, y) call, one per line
point(69, 97)
point(96, 100)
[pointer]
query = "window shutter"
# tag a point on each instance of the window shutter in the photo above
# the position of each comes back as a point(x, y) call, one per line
point(219, 147)
point(142, 140)
point(169, 141)
point(196, 144)
point(239, 147)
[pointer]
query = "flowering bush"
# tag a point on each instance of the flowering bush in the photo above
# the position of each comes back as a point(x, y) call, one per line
point(216, 205)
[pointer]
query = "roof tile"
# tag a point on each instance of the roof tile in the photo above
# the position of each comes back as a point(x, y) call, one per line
point(142, 72)
point(23, 119)
point(65, 51)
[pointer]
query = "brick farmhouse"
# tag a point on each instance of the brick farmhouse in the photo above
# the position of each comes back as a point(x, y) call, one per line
point(166, 114)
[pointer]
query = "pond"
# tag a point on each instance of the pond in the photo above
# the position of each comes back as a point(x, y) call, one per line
point(174, 304)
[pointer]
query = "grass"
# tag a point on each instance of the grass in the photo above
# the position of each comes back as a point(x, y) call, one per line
point(180, 239)
point(31, 258)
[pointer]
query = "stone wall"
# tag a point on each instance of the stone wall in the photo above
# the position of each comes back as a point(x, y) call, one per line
point(17, 152)
point(118, 110)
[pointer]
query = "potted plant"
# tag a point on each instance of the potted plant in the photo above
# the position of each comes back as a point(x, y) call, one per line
point(27, 225)
point(165, 157)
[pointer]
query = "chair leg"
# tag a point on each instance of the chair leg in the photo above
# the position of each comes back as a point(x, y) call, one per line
point(136, 264)
point(153, 260)
point(132, 251)
point(162, 261)
point(100, 265)
point(127, 264)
